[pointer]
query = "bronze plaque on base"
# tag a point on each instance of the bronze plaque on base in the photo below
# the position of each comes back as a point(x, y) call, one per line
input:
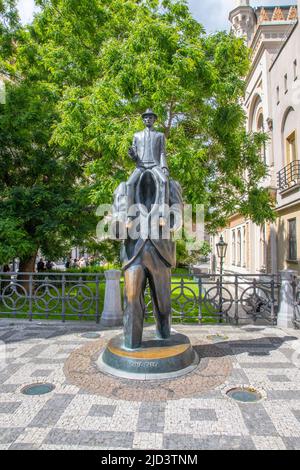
point(155, 359)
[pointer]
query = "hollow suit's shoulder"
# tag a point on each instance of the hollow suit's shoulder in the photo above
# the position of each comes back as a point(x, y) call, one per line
point(161, 135)
point(139, 135)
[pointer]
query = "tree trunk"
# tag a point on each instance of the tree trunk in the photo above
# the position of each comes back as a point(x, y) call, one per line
point(27, 265)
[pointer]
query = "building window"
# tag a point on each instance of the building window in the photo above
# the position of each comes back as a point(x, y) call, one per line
point(239, 248)
point(292, 255)
point(263, 248)
point(291, 148)
point(295, 70)
point(244, 248)
point(278, 95)
point(233, 248)
point(286, 83)
point(261, 128)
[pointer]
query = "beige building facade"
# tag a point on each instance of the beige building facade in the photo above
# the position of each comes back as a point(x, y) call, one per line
point(272, 105)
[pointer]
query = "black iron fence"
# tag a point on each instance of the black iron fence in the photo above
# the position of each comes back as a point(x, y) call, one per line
point(195, 299)
point(230, 298)
point(52, 295)
point(289, 176)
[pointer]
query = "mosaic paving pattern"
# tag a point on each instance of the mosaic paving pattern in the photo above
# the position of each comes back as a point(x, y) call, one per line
point(74, 416)
point(81, 370)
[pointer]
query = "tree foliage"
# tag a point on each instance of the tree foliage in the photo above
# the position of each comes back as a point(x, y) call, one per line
point(84, 72)
point(43, 195)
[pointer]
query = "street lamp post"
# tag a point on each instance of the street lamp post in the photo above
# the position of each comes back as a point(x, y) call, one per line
point(221, 251)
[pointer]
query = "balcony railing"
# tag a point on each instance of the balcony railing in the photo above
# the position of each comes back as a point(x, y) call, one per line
point(289, 176)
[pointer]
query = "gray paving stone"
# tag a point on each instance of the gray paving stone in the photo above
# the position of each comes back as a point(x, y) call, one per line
point(183, 442)
point(35, 350)
point(59, 401)
point(9, 435)
point(41, 373)
point(22, 446)
point(51, 411)
point(151, 417)
point(283, 394)
point(46, 418)
point(287, 352)
point(239, 376)
point(8, 407)
point(203, 415)
point(292, 443)
point(278, 378)
point(257, 420)
point(90, 438)
point(8, 388)
point(44, 360)
point(267, 365)
point(7, 335)
point(102, 411)
point(296, 414)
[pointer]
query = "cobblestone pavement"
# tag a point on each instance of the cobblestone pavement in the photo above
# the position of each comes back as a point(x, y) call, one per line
point(75, 417)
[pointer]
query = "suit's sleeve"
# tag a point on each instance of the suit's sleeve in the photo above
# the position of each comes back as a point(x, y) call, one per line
point(163, 154)
point(134, 142)
point(134, 146)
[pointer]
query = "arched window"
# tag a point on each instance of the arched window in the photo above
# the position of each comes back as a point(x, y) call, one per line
point(261, 128)
point(289, 136)
point(255, 111)
point(256, 120)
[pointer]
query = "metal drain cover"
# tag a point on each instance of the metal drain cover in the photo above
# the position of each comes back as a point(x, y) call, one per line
point(37, 389)
point(244, 394)
point(217, 338)
point(91, 335)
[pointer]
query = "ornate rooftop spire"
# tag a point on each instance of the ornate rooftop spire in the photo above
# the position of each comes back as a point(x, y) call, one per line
point(263, 16)
point(293, 14)
point(242, 3)
point(278, 15)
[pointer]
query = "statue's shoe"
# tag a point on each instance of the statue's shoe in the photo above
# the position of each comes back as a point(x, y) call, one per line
point(162, 221)
point(129, 223)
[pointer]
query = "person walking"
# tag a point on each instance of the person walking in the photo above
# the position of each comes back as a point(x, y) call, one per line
point(41, 266)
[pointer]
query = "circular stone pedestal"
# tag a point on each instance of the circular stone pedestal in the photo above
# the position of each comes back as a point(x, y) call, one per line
point(156, 359)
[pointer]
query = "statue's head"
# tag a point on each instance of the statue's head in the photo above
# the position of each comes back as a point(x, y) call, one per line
point(149, 118)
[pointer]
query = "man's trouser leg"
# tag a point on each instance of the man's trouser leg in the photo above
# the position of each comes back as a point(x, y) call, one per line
point(130, 189)
point(164, 191)
point(135, 284)
point(160, 286)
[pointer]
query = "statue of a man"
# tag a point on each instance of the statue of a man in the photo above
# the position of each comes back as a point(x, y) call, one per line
point(148, 259)
point(149, 152)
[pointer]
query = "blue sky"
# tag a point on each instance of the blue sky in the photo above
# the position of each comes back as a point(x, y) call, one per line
point(212, 13)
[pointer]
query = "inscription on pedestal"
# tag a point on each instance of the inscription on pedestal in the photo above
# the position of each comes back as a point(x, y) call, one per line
point(172, 355)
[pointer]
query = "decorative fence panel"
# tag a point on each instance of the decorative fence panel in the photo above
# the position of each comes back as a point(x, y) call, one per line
point(235, 299)
point(52, 295)
point(195, 299)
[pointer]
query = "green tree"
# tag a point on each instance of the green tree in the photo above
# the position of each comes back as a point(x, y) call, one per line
point(87, 70)
point(44, 203)
point(119, 57)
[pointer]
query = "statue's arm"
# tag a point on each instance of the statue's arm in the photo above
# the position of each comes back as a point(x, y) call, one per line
point(163, 155)
point(132, 152)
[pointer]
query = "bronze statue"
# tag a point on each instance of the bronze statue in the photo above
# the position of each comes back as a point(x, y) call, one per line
point(149, 152)
point(150, 258)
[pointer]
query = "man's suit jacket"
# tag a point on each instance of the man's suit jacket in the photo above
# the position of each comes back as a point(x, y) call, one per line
point(131, 248)
point(158, 146)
